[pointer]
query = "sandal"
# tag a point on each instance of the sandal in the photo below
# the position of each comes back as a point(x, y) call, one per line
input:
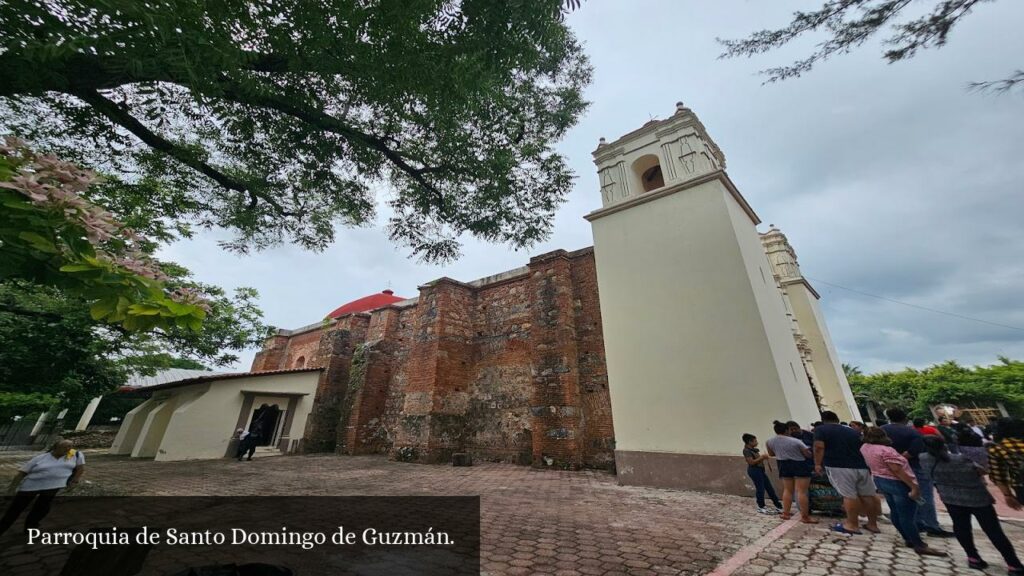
point(808, 520)
point(873, 531)
point(842, 530)
point(785, 516)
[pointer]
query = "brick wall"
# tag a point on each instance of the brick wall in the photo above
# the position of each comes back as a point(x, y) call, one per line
point(510, 369)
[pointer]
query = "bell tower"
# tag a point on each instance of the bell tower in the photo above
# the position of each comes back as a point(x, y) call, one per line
point(698, 342)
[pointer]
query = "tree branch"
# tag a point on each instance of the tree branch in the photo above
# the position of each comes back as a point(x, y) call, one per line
point(122, 117)
point(326, 122)
point(30, 313)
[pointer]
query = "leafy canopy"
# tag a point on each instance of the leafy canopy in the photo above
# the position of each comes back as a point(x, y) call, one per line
point(51, 234)
point(848, 24)
point(55, 352)
point(946, 383)
point(280, 119)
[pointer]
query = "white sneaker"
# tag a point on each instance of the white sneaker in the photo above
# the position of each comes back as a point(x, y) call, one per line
point(765, 511)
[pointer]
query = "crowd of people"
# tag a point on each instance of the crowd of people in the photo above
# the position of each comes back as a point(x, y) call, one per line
point(905, 463)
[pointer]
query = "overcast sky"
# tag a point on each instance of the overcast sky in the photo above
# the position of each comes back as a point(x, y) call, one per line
point(892, 180)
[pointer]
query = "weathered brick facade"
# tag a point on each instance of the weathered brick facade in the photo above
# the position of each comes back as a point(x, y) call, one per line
point(509, 368)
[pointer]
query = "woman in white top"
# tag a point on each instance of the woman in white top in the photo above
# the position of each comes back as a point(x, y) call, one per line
point(39, 480)
point(795, 469)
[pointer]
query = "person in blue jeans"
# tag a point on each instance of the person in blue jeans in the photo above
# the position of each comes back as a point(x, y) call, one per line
point(755, 469)
point(910, 443)
point(896, 481)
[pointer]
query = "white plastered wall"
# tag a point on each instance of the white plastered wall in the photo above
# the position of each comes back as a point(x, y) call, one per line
point(695, 355)
point(203, 427)
point(775, 319)
point(131, 426)
point(832, 384)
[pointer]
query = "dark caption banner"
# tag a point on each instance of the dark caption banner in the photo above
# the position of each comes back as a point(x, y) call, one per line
point(248, 536)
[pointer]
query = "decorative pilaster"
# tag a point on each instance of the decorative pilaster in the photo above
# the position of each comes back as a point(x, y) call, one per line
point(433, 418)
point(555, 399)
point(361, 429)
point(335, 356)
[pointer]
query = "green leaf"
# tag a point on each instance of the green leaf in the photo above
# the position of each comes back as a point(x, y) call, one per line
point(39, 242)
point(102, 308)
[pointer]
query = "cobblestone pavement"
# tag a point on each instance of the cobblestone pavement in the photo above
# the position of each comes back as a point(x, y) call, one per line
point(548, 521)
point(814, 550)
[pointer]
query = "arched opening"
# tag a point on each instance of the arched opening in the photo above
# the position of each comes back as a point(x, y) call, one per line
point(648, 171)
point(652, 179)
point(301, 362)
point(264, 424)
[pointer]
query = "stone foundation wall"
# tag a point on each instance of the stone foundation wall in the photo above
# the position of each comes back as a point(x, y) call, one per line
point(510, 368)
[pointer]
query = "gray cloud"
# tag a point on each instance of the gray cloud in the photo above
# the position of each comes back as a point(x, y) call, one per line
point(890, 179)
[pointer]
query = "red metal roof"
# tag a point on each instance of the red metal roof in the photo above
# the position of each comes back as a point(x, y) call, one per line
point(367, 303)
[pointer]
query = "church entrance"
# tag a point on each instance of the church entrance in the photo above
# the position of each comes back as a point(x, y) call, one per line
point(265, 423)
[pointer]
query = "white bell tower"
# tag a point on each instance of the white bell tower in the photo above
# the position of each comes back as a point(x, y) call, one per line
point(698, 343)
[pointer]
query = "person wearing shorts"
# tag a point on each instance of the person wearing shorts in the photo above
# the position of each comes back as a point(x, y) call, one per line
point(837, 453)
point(794, 469)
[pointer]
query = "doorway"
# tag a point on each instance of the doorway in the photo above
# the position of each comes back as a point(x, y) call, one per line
point(265, 424)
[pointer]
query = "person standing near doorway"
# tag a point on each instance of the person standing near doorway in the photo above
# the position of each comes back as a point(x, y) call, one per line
point(910, 443)
point(794, 469)
point(755, 469)
point(39, 480)
point(243, 443)
point(837, 453)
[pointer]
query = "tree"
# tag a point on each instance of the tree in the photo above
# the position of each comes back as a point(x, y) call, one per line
point(55, 352)
point(851, 371)
point(52, 235)
point(851, 23)
point(280, 119)
point(946, 383)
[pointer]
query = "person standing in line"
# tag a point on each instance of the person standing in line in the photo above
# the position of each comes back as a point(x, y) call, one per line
point(962, 488)
point(805, 436)
point(909, 442)
point(794, 469)
point(1006, 461)
point(837, 453)
point(922, 426)
point(896, 481)
point(39, 480)
point(755, 469)
point(858, 426)
point(972, 445)
point(945, 427)
point(968, 420)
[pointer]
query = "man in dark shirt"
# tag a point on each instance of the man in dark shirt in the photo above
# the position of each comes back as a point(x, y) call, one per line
point(797, 432)
point(837, 453)
point(910, 443)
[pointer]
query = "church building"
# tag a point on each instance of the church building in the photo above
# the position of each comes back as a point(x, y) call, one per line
point(649, 353)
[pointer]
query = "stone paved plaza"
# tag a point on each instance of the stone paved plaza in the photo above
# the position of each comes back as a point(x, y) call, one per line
point(551, 522)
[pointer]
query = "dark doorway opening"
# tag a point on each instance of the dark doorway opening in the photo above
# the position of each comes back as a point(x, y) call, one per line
point(264, 424)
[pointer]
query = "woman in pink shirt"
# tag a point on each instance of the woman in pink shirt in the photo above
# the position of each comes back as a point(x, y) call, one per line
point(894, 479)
